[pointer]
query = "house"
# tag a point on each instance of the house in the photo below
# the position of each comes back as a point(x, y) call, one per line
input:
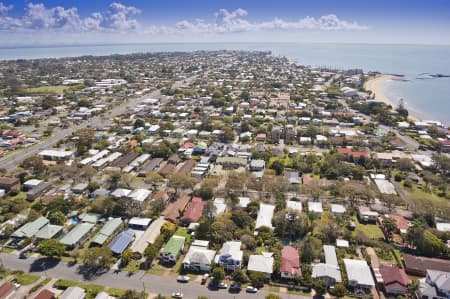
point(265, 216)
point(122, 241)
point(294, 205)
point(199, 257)
point(139, 223)
point(45, 294)
point(395, 280)
point(110, 228)
point(104, 295)
point(139, 195)
point(30, 184)
point(315, 207)
point(121, 192)
point(55, 155)
point(359, 274)
point(80, 188)
point(220, 206)
point(367, 215)
point(172, 250)
point(30, 229)
point(73, 293)
point(50, 231)
point(337, 209)
point(77, 234)
point(419, 265)
point(401, 223)
point(290, 263)
point(342, 243)
point(8, 184)
point(6, 290)
point(257, 165)
point(230, 255)
point(38, 191)
point(328, 271)
point(262, 263)
point(194, 211)
point(148, 237)
point(292, 177)
point(435, 285)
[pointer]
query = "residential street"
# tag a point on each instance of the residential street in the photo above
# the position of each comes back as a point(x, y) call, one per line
point(139, 281)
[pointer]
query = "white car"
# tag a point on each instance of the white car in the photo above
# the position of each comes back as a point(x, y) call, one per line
point(222, 285)
point(251, 289)
point(183, 278)
point(177, 294)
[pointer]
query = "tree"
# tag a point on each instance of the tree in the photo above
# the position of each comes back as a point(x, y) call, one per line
point(339, 290)
point(290, 225)
point(51, 248)
point(218, 274)
point(413, 287)
point(181, 181)
point(132, 294)
point(97, 258)
point(241, 219)
point(320, 286)
point(35, 164)
point(311, 249)
point(313, 189)
point(404, 164)
point(126, 257)
point(257, 279)
point(239, 276)
point(57, 218)
point(278, 166)
point(389, 226)
point(153, 178)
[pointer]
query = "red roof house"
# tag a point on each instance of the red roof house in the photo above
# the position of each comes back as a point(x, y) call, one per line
point(290, 263)
point(346, 151)
point(45, 294)
point(6, 289)
point(194, 211)
point(395, 280)
point(400, 221)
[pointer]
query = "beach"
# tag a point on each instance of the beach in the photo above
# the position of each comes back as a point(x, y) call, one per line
point(375, 83)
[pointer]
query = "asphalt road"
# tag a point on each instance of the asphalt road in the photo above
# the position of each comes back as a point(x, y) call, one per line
point(138, 281)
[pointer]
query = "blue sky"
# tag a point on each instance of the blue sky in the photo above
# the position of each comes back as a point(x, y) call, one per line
point(99, 21)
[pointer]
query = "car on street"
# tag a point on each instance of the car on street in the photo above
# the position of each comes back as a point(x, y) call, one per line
point(183, 278)
point(251, 289)
point(205, 278)
point(23, 256)
point(178, 295)
point(222, 285)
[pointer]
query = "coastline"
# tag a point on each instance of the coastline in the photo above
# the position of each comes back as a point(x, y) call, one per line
point(374, 85)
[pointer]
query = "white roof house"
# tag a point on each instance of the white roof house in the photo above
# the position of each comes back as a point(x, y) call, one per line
point(315, 207)
point(220, 205)
point(358, 273)
point(73, 293)
point(139, 194)
point(337, 209)
point(230, 255)
point(137, 221)
point(294, 205)
point(54, 153)
point(261, 263)
point(199, 258)
point(443, 226)
point(265, 215)
point(342, 243)
point(243, 202)
point(121, 192)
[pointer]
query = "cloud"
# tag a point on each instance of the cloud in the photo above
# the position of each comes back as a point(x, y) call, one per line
point(121, 18)
point(235, 21)
point(117, 17)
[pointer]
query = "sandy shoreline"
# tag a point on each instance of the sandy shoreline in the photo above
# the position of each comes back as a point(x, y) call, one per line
point(374, 84)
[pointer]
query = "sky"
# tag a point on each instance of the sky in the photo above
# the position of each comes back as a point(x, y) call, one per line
point(68, 22)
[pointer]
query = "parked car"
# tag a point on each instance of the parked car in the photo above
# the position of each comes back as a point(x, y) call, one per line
point(183, 278)
point(235, 287)
point(23, 256)
point(251, 289)
point(178, 295)
point(222, 285)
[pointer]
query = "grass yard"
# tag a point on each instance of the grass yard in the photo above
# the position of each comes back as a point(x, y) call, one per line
point(27, 279)
point(371, 231)
point(425, 201)
point(298, 293)
point(57, 89)
point(7, 250)
point(182, 232)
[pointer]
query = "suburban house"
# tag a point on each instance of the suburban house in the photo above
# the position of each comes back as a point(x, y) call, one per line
point(230, 255)
point(199, 257)
point(77, 234)
point(73, 293)
point(172, 250)
point(194, 211)
point(395, 280)
point(265, 215)
point(262, 263)
point(45, 294)
point(50, 231)
point(328, 271)
point(401, 222)
point(315, 207)
point(6, 290)
point(30, 229)
point(435, 285)
point(106, 232)
point(359, 274)
point(122, 241)
point(8, 184)
point(419, 265)
point(290, 263)
point(367, 215)
point(337, 209)
point(294, 205)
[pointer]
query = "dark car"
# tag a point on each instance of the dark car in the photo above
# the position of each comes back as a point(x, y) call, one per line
point(23, 256)
point(235, 287)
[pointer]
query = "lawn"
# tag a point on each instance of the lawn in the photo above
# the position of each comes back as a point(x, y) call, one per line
point(182, 232)
point(7, 250)
point(26, 279)
point(371, 231)
point(57, 89)
point(298, 293)
point(425, 201)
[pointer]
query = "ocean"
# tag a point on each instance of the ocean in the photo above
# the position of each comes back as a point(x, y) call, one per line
point(424, 96)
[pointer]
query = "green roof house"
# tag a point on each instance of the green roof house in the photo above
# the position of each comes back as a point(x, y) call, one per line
point(50, 231)
point(109, 229)
point(30, 229)
point(172, 250)
point(77, 234)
